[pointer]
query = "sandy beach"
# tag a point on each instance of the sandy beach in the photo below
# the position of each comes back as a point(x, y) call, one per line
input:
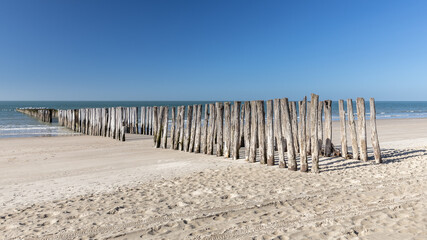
point(86, 187)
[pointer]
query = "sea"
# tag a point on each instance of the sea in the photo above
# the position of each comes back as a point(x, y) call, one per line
point(15, 124)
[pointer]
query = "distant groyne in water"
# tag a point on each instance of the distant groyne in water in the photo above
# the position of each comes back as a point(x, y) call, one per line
point(42, 114)
point(262, 128)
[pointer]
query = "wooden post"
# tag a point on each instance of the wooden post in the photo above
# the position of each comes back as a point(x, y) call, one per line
point(353, 131)
point(219, 130)
point(227, 129)
point(284, 128)
point(149, 120)
point(314, 132)
point(178, 133)
point(165, 128)
point(119, 122)
point(188, 128)
point(278, 133)
point(374, 134)
point(193, 129)
point(302, 133)
point(292, 163)
point(343, 126)
point(108, 121)
point(320, 127)
point(328, 128)
point(361, 120)
point(294, 117)
point(211, 140)
point(261, 132)
point(142, 120)
point(181, 128)
point(198, 129)
point(236, 133)
point(254, 133)
point(159, 127)
point(112, 123)
point(155, 119)
point(135, 120)
point(241, 124)
point(270, 134)
point(173, 127)
point(205, 130)
point(231, 130)
point(247, 129)
point(308, 128)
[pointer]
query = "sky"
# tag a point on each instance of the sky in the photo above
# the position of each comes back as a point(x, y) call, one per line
point(212, 50)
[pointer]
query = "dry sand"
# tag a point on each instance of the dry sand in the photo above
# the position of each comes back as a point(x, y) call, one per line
point(86, 187)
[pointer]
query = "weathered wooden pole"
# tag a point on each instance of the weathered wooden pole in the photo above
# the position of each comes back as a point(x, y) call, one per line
point(278, 133)
point(353, 131)
point(236, 133)
point(294, 117)
point(284, 129)
point(261, 132)
point(286, 117)
point(112, 122)
point(135, 119)
point(320, 127)
point(219, 128)
point(314, 132)
point(374, 134)
point(155, 120)
point(211, 128)
point(254, 132)
point(123, 132)
point(177, 133)
point(188, 128)
point(247, 129)
point(146, 116)
point(120, 121)
point(193, 129)
point(164, 142)
point(149, 120)
point(159, 127)
point(242, 124)
point(270, 134)
point(343, 128)
point(227, 129)
point(173, 127)
point(328, 128)
point(308, 129)
point(142, 120)
point(361, 120)
point(205, 130)
point(231, 129)
point(181, 128)
point(198, 129)
point(302, 139)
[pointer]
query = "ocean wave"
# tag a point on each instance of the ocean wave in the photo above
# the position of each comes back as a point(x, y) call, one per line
point(39, 134)
point(29, 128)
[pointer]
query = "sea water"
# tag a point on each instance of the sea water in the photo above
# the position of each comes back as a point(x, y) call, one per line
point(15, 124)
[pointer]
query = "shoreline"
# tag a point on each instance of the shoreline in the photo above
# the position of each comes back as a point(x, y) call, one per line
point(334, 122)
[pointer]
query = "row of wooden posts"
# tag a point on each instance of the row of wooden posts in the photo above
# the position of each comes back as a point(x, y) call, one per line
point(41, 114)
point(227, 127)
point(112, 122)
point(262, 128)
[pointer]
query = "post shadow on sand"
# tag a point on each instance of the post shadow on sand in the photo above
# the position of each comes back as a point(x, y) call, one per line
point(328, 164)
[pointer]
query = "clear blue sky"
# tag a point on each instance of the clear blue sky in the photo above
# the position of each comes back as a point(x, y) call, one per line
point(212, 50)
